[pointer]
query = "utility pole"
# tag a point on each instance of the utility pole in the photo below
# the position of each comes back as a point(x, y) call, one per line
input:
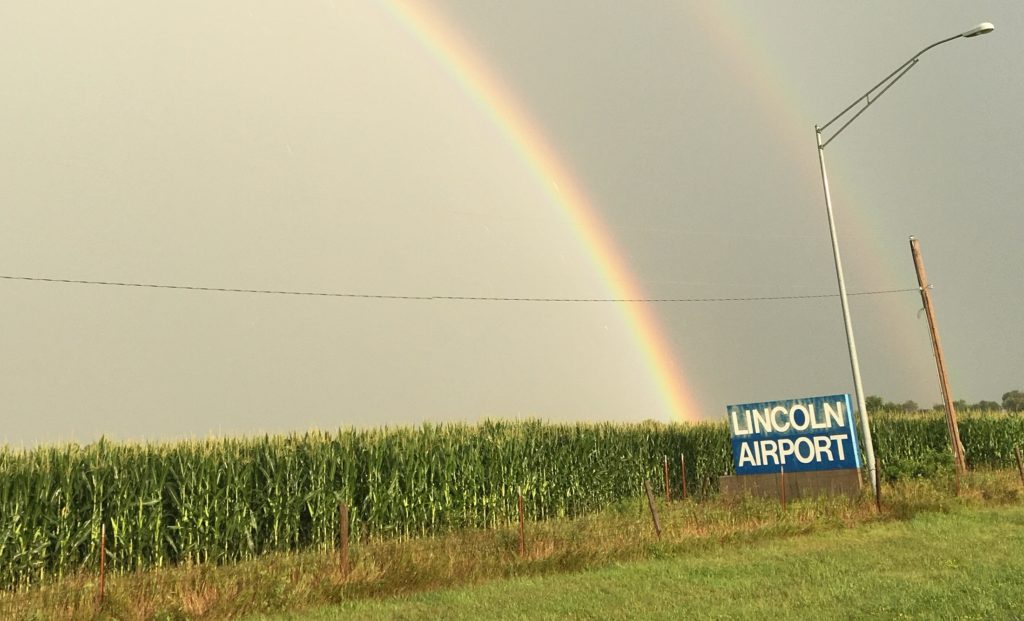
point(940, 361)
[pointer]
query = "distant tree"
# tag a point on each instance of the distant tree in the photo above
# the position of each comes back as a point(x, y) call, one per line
point(938, 407)
point(960, 404)
point(874, 403)
point(1013, 401)
point(908, 406)
point(987, 406)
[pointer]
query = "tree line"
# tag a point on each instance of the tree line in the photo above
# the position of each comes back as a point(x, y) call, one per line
point(1013, 401)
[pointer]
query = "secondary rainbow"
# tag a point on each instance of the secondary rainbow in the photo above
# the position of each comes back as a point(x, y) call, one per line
point(480, 82)
point(785, 100)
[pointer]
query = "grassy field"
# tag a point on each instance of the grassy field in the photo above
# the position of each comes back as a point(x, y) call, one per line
point(967, 564)
point(699, 542)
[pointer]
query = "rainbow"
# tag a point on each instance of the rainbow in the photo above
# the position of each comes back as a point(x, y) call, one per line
point(482, 84)
point(738, 40)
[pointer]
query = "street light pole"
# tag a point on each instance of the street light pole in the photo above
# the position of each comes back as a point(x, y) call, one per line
point(868, 98)
point(869, 446)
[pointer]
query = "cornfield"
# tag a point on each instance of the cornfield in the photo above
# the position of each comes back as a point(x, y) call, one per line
point(221, 501)
point(989, 439)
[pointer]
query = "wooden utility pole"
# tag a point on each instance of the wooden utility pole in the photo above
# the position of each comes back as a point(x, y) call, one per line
point(940, 361)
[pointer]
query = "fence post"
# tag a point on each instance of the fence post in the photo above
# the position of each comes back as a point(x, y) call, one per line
point(343, 565)
point(956, 480)
point(1020, 464)
point(782, 486)
point(522, 527)
point(103, 564)
point(668, 489)
point(682, 468)
point(650, 503)
point(878, 489)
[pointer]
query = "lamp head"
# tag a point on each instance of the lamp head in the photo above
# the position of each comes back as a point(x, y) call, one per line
point(980, 29)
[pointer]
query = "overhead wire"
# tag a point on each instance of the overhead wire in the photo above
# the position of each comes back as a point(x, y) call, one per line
point(453, 298)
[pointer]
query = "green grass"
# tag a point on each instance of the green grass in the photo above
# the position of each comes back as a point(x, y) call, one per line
point(968, 564)
point(694, 532)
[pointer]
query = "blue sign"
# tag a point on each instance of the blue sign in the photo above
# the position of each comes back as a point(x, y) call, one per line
point(795, 435)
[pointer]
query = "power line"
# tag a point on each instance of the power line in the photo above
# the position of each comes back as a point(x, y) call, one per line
point(453, 298)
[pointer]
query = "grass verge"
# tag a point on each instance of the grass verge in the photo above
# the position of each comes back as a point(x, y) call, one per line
point(295, 582)
point(968, 564)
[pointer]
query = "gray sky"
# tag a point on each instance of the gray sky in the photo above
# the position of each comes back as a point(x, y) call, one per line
point(321, 146)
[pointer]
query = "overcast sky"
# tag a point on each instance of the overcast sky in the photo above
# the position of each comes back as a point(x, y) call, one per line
point(323, 147)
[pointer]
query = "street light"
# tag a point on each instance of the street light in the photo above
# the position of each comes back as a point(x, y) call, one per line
point(867, 98)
